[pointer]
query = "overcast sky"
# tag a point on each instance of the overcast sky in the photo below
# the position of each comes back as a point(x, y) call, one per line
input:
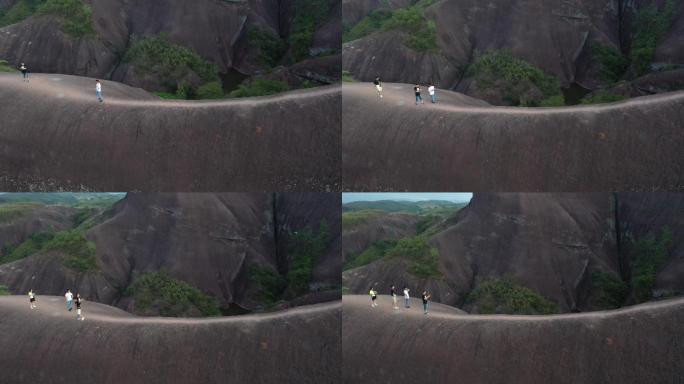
point(462, 197)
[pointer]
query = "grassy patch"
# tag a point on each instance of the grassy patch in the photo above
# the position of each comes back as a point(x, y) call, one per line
point(601, 97)
point(79, 252)
point(259, 87)
point(376, 251)
point(648, 256)
point(6, 67)
point(21, 10)
point(33, 244)
point(305, 248)
point(355, 218)
point(76, 16)
point(423, 257)
point(212, 90)
point(505, 296)
point(157, 55)
point(171, 96)
point(347, 77)
point(271, 46)
point(171, 297)
point(308, 15)
point(553, 101)
point(421, 32)
point(613, 63)
point(271, 284)
point(369, 24)
point(425, 222)
point(15, 210)
point(517, 78)
point(650, 26)
point(4, 291)
point(613, 291)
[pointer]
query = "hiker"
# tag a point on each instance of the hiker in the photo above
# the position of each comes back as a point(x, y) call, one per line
point(378, 85)
point(24, 73)
point(79, 301)
point(416, 90)
point(426, 297)
point(69, 300)
point(374, 295)
point(406, 297)
point(393, 292)
point(98, 90)
point(431, 92)
point(32, 299)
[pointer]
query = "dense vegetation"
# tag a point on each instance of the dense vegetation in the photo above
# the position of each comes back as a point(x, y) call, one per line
point(307, 17)
point(522, 83)
point(376, 251)
point(33, 244)
point(612, 292)
point(600, 97)
point(259, 87)
point(174, 63)
point(355, 218)
point(171, 297)
point(424, 258)
point(270, 283)
point(271, 46)
point(79, 252)
point(613, 63)
point(4, 291)
point(305, 247)
point(505, 296)
point(647, 257)
point(6, 67)
point(347, 77)
point(75, 14)
point(436, 207)
point(421, 33)
point(650, 26)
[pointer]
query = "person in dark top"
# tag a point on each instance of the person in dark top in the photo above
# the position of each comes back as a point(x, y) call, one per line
point(79, 301)
point(426, 297)
point(393, 292)
point(24, 73)
point(378, 86)
point(416, 90)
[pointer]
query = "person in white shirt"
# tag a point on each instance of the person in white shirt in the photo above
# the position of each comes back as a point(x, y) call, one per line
point(406, 297)
point(431, 91)
point(24, 73)
point(32, 299)
point(69, 300)
point(98, 90)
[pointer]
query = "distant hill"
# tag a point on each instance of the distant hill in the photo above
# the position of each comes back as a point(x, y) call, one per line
point(415, 207)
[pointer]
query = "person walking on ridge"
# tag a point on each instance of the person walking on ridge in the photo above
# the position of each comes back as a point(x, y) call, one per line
point(32, 299)
point(69, 300)
point(374, 295)
point(24, 73)
point(79, 301)
point(378, 86)
point(431, 92)
point(98, 90)
point(406, 297)
point(393, 292)
point(426, 297)
point(416, 90)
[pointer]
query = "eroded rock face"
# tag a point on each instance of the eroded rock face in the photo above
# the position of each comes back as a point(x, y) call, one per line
point(207, 240)
point(552, 243)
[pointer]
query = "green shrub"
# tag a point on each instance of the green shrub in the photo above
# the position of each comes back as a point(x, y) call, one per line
point(76, 15)
point(259, 87)
point(601, 97)
point(212, 90)
point(79, 252)
point(30, 246)
point(553, 101)
point(271, 46)
point(305, 248)
point(369, 24)
point(170, 296)
point(425, 222)
point(424, 258)
point(376, 251)
point(650, 26)
point(516, 77)
point(612, 290)
point(421, 33)
point(21, 10)
point(271, 284)
point(6, 67)
point(613, 63)
point(171, 96)
point(648, 256)
point(308, 14)
point(347, 77)
point(505, 296)
point(82, 214)
point(4, 291)
point(155, 54)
